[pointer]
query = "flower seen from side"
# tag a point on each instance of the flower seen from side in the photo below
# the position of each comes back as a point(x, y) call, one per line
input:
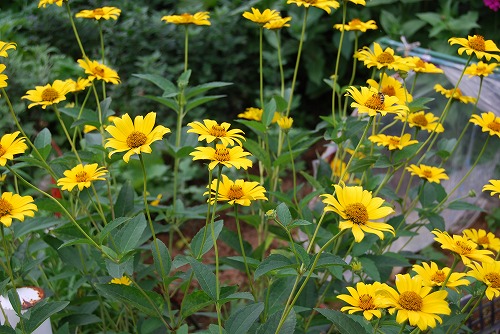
point(255, 114)
point(105, 13)
point(48, 95)
point(223, 155)
point(210, 130)
point(428, 173)
point(79, 85)
point(478, 45)
point(357, 210)
point(358, 2)
point(421, 66)
point(370, 101)
point(382, 58)
point(480, 69)
point(261, 18)
point(9, 146)
point(390, 86)
point(157, 200)
point(236, 192)
point(364, 298)
point(124, 280)
point(285, 123)
point(4, 46)
point(422, 120)
point(81, 176)
point(44, 3)
point(3, 77)
point(487, 240)
point(457, 95)
point(199, 19)
point(493, 186)
point(278, 23)
point(433, 276)
point(488, 121)
point(393, 142)
point(462, 246)
point(89, 128)
point(134, 137)
point(14, 206)
point(98, 71)
point(489, 274)
point(325, 5)
point(357, 25)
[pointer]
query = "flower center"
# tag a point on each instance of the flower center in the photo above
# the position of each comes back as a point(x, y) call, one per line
point(217, 131)
point(494, 279)
point(483, 240)
point(393, 140)
point(385, 58)
point(464, 248)
point(411, 301)
point(136, 139)
point(389, 90)
point(49, 94)
point(366, 302)
point(99, 71)
point(477, 43)
point(357, 213)
point(98, 11)
point(374, 102)
point(427, 173)
point(235, 192)
point(2, 150)
point(420, 64)
point(495, 126)
point(81, 176)
point(310, 1)
point(222, 154)
point(355, 22)
point(438, 277)
point(420, 120)
point(5, 207)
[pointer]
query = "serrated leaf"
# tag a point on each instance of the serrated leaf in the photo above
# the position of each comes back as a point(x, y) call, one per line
point(328, 260)
point(201, 100)
point(258, 152)
point(194, 302)
point(197, 242)
point(125, 201)
point(168, 102)
point(343, 323)
point(462, 205)
point(255, 126)
point(271, 325)
point(283, 214)
point(118, 269)
point(111, 226)
point(41, 312)
point(360, 165)
point(273, 262)
point(206, 278)
point(240, 321)
point(43, 143)
point(163, 261)
point(159, 81)
point(4, 329)
point(128, 236)
point(268, 113)
point(197, 90)
point(370, 268)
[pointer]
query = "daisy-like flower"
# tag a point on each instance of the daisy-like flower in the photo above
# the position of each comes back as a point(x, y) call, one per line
point(365, 299)
point(81, 176)
point(428, 173)
point(478, 45)
point(359, 2)
point(14, 206)
point(416, 303)
point(371, 102)
point(433, 276)
point(338, 169)
point(422, 120)
point(357, 25)
point(48, 95)
point(210, 130)
point(357, 210)
point(382, 58)
point(390, 86)
point(226, 156)
point(393, 142)
point(421, 66)
point(4, 46)
point(79, 85)
point(489, 274)
point(285, 123)
point(236, 192)
point(326, 5)
point(105, 13)
point(255, 114)
point(99, 71)
point(480, 69)
point(463, 246)
point(134, 137)
point(493, 186)
point(278, 23)
point(3, 77)
point(487, 240)
point(124, 280)
point(157, 200)
point(9, 146)
point(199, 19)
point(261, 18)
point(44, 3)
point(488, 121)
point(457, 95)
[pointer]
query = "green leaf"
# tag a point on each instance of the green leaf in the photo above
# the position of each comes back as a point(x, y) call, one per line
point(43, 143)
point(205, 276)
point(197, 90)
point(298, 222)
point(286, 158)
point(255, 126)
point(258, 152)
point(164, 267)
point(118, 269)
point(41, 312)
point(281, 103)
point(370, 268)
point(194, 302)
point(419, 104)
point(268, 114)
point(33, 225)
point(283, 214)
point(328, 260)
point(79, 241)
point(406, 152)
point(343, 323)
point(111, 226)
point(4, 329)
point(273, 262)
point(168, 102)
point(197, 242)
point(360, 165)
point(127, 238)
point(125, 201)
point(240, 321)
point(183, 80)
point(462, 205)
point(201, 100)
point(235, 296)
point(271, 325)
point(14, 300)
point(165, 84)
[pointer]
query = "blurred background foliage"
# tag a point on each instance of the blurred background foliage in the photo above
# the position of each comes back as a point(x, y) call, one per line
point(139, 42)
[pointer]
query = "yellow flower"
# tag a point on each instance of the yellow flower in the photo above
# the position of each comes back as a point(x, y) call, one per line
point(14, 206)
point(457, 95)
point(100, 13)
point(390, 86)
point(357, 208)
point(229, 157)
point(357, 25)
point(43, 3)
point(89, 128)
point(124, 280)
point(9, 146)
point(382, 58)
point(369, 101)
point(157, 200)
point(48, 95)
point(422, 120)
point(278, 23)
point(421, 66)
point(393, 142)
point(364, 299)
point(488, 121)
point(480, 69)
point(285, 123)
point(433, 276)
point(493, 186)
point(4, 46)
point(480, 237)
point(199, 19)
point(81, 176)
point(3, 77)
point(429, 173)
point(261, 18)
point(99, 71)
point(489, 274)
point(78, 85)
point(463, 246)
point(134, 137)
point(415, 303)
point(477, 45)
point(359, 2)
point(236, 192)
point(255, 114)
point(326, 5)
point(210, 130)
point(338, 167)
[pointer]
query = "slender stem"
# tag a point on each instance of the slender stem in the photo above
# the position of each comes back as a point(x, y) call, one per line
point(186, 46)
point(68, 137)
point(261, 72)
point(280, 63)
point(7, 256)
point(294, 176)
point(453, 265)
point(337, 61)
point(243, 253)
point(75, 31)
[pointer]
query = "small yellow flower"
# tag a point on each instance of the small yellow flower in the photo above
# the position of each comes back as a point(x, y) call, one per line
point(278, 23)
point(358, 2)
point(488, 121)
point(429, 173)
point(9, 146)
point(489, 274)
point(99, 71)
point(478, 45)
point(326, 5)
point(421, 66)
point(480, 69)
point(79, 85)
point(236, 192)
point(157, 200)
point(48, 95)
point(210, 130)
point(14, 206)
point(255, 114)
point(421, 120)
point(382, 58)
point(229, 157)
point(81, 176)
point(4, 46)
point(285, 123)
point(390, 86)
point(393, 142)
point(43, 3)
point(370, 101)
point(261, 18)
point(357, 25)
point(457, 95)
point(365, 299)
point(105, 13)
point(433, 276)
point(89, 128)
point(3, 77)
point(493, 186)
point(199, 19)
point(463, 246)
point(124, 280)
point(485, 240)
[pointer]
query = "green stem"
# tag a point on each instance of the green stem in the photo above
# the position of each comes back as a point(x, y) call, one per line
point(68, 137)
point(243, 253)
point(186, 47)
point(453, 265)
point(294, 176)
point(280, 64)
point(7, 256)
point(75, 31)
point(337, 61)
point(261, 72)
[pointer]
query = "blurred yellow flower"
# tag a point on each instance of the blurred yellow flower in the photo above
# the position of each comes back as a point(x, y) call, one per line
point(390, 86)
point(99, 71)
point(433, 276)
point(421, 66)
point(285, 123)
point(236, 192)
point(488, 121)
point(89, 128)
point(199, 19)
point(261, 18)
point(157, 200)
point(476, 44)
point(421, 120)
point(382, 58)
point(9, 146)
point(364, 298)
point(124, 280)
point(3, 77)
point(48, 95)
point(429, 173)
point(210, 130)
point(489, 274)
point(43, 3)
point(229, 157)
point(463, 246)
point(255, 114)
point(81, 176)
point(485, 240)
point(4, 46)
point(278, 23)
point(457, 95)
point(14, 206)
point(357, 25)
point(100, 13)
point(326, 5)
point(493, 186)
point(359, 2)
point(393, 142)
point(78, 85)
point(480, 69)
point(370, 101)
